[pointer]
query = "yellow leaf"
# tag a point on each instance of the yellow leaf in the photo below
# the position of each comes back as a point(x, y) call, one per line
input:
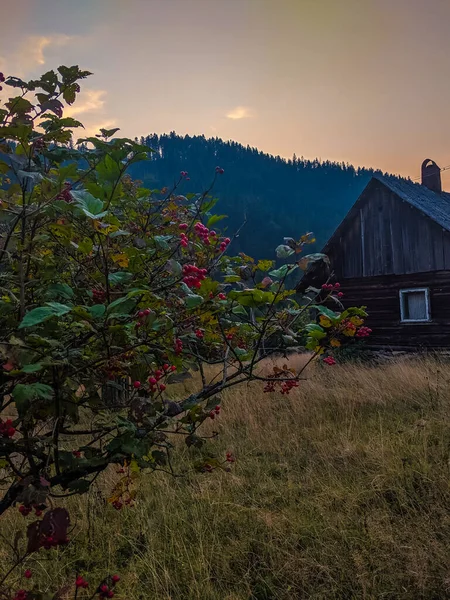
point(246, 258)
point(356, 321)
point(324, 321)
point(335, 343)
point(134, 467)
point(121, 259)
point(349, 332)
point(264, 265)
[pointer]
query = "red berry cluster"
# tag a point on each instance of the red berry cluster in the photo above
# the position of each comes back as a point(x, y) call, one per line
point(193, 276)
point(329, 360)
point(183, 226)
point(49, 542)
point(285, 386)
point(204, 233)
point(105, 592)
point(348, 325)
point(20, 594)
point(363, 332)
point(76, 453)
point(220, 171)
point(178, 347)
point(200, 334)
point(184, 240)
point(230, 458)
point(215, 412)
point(157, 376)
point(141, 316)
point(26, 510)
point(118, 504)
point(65, 193)
point(98, 296)
point(220, 296)
point(6, 428)
point(28, 574)
point(330, 287)
point(80, 582)
point(224, 244)
point(184, 175)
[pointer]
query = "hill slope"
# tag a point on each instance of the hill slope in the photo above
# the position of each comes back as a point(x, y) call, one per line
point(279, 197)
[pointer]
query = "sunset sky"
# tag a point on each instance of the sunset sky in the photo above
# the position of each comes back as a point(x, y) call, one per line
point(360, 81)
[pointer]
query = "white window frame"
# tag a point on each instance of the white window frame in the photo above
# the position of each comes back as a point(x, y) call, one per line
point(403, 293)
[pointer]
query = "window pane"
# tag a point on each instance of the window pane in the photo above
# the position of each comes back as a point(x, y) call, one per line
point(415, 307)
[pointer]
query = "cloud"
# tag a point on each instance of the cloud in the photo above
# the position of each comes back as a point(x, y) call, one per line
point(32, 49)
point(240, 112)
point(88, 101)
point(92, 130)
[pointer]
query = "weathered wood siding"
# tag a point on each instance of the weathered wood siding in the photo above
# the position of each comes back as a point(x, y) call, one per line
point(381, 296)
point(384, 235)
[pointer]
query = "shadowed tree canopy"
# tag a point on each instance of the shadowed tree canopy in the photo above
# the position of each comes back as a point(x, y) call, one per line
point(278, 197)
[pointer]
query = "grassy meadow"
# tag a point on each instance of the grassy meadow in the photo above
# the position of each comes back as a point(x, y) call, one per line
point(340, 490)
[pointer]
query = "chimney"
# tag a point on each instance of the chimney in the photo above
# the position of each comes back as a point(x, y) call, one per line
point(431, 176)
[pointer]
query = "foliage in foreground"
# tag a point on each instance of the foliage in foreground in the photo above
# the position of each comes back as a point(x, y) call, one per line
point(339, 490)
point(111, 293)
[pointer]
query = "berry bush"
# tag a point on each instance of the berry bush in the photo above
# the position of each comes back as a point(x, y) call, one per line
point(110, 294)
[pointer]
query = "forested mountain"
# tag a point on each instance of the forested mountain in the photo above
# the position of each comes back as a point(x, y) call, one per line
point(278, 197)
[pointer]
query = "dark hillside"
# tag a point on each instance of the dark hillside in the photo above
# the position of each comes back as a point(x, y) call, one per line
point(279, 197)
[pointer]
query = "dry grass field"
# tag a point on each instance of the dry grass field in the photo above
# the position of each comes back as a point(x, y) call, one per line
point(340, 490)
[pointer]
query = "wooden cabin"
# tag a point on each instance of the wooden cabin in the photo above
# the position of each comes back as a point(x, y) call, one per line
point(391, 253)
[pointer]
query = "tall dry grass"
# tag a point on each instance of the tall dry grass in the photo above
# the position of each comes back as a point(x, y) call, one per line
point(340, 491)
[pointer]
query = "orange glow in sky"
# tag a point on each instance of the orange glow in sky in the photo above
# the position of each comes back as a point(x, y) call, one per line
point(360, 81)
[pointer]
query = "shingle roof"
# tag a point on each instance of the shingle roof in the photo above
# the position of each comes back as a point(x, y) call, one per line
point(434, 205)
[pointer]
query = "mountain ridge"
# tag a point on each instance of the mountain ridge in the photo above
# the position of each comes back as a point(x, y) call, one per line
point(277, 197)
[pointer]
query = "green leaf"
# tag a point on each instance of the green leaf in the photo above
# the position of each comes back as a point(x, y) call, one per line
point(4, 167)
point(97, 310)
point(193, 300)
point(239, 310)
point(61, 289)
point(70, 93)
point(282, 271)
point(24, 394)
point(187, 290)
point(174, 267)
point(42, 313)
point(215, 219)
point(120, 277)
point(92, 207)
point(251, 298)
point(161, 241)
point(58, 309)
point(117, 303)
point(354, 311)
point(118, 233)
point(79, 485)
point(315, 331)
point(284, 251)
point(109, 132)
point(32, 368)
point(82, 312)
point(85, 246)
point(124, 307)
point(323, 310)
